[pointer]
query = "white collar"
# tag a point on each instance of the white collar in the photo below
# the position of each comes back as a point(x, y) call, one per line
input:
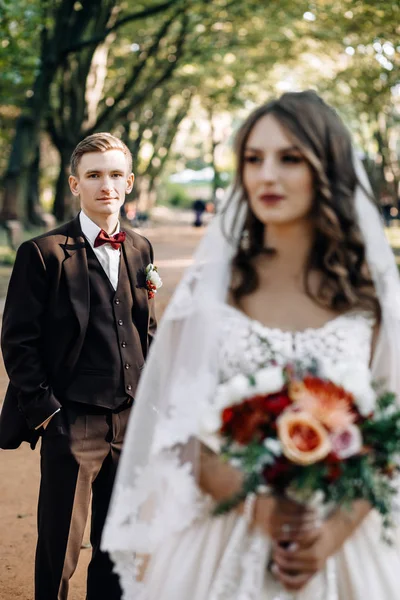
point(90, 230)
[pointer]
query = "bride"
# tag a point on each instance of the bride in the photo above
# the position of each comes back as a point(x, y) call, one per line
point(296, 265)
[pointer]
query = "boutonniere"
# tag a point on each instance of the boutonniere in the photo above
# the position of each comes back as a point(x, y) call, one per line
point(153, 280)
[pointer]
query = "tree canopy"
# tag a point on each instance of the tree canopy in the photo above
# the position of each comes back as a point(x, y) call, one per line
point(142, 69)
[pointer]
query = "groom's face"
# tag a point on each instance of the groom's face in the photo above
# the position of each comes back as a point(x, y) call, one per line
point(101, 182)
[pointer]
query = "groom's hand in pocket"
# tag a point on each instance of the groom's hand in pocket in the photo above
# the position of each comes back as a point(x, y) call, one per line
point(45, 423)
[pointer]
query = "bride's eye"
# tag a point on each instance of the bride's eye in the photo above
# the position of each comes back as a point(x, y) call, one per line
point(252, 159)
point(292, 158)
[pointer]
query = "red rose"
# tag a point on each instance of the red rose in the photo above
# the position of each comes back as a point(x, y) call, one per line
point(332, 458)
point(244, 422)
point(275, 404)
point(227, 416)
point(250, 427)
point(334, 473)
point(334, 469)
point(276, 474)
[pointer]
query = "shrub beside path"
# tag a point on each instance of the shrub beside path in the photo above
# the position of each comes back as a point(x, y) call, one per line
point(19, 469)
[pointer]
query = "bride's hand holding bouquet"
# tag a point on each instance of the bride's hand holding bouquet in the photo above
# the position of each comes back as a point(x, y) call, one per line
point(297, 561)
point(311, 437)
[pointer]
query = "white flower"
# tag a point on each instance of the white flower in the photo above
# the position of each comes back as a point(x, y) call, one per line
point(239, 388)
point(153, 276)
point(356, 379)
point(366, 401)
point(269, 380)
point(155, 279)
point(274, 446)
point(347, 442)
point(229, 393)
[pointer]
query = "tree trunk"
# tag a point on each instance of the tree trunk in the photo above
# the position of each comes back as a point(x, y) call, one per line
point(24, 150)
point(390, 167)
point(17, 177)
point(213, 163)
point(34, 209)
point(65, 204)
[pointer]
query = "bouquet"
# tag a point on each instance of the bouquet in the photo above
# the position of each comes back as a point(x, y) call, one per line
point(311, 430)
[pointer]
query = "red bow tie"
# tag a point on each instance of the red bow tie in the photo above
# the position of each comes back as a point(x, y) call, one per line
point(115, 240)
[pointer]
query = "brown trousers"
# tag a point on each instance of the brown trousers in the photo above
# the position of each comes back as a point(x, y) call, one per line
point(79, 456)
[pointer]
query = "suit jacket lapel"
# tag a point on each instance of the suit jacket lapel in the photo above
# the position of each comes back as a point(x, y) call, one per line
point(77, 274)
point(137, 279)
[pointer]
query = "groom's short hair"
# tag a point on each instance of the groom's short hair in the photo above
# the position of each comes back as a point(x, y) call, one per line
point(99, 142)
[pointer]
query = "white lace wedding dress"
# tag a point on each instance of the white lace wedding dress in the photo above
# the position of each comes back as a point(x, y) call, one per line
point(217, 558)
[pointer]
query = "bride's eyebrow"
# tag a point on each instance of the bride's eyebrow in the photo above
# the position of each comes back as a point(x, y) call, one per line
point(281, 150)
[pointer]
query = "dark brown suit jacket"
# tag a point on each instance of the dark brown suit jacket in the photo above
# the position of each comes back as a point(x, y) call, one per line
point(45, 319)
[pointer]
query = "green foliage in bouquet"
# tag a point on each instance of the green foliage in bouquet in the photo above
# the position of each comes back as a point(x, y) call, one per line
point(359, 462)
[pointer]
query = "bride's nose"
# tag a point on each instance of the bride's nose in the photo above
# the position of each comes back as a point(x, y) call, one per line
point(268, 169)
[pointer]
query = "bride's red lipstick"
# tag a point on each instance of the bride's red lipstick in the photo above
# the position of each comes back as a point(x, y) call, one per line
point(271, 199)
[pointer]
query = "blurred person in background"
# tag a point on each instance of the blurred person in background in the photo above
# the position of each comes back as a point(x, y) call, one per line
point(199, 207)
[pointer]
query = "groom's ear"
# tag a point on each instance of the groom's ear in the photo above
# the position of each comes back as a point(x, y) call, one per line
point(73, 185)
point(129, 183)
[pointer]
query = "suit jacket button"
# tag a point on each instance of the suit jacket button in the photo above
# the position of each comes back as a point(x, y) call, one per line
point(117, 301)
point(127, 365)
point(129, 387)
point(120, 322)
point(123, 344)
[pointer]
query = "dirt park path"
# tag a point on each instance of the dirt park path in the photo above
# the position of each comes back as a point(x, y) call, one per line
point(19, 469)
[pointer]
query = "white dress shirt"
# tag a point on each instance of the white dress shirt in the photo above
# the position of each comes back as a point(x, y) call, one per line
point(107, 256)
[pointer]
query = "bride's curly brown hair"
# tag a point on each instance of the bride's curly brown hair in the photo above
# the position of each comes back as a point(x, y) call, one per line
point(338, 251)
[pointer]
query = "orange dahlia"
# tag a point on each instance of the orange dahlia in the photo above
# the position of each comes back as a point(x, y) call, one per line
point(327, 402)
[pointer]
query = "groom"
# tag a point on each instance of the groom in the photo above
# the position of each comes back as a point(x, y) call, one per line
point(76, 331)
